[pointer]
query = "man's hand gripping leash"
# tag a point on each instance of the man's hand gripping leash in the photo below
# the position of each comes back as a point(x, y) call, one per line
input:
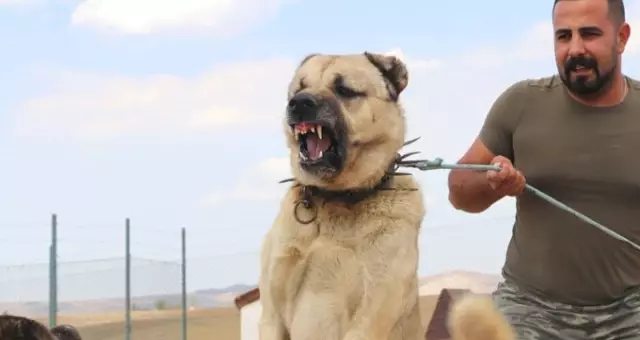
point(438, 163)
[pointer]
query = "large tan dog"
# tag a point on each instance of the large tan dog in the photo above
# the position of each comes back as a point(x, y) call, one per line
point(340, 261)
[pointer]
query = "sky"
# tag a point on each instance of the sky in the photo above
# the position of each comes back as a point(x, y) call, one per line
point(168, 113)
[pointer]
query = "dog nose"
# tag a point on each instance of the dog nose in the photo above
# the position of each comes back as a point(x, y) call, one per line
point(303, 101)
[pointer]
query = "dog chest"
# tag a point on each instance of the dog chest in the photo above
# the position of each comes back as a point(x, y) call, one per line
point(321, 268)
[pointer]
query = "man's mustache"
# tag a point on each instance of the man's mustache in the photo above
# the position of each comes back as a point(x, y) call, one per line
point(573, 63)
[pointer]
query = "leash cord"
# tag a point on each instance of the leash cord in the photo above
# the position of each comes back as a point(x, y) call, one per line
point(437, 164)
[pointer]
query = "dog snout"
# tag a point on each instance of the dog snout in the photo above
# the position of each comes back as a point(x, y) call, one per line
point(303, 101)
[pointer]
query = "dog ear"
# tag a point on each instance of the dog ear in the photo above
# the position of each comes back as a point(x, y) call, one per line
point(393, 70)
point(305, 59)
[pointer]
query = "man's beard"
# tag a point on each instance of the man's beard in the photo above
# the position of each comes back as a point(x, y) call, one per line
point(585, 85)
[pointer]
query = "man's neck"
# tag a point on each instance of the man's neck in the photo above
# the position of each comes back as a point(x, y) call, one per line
point(610, 96)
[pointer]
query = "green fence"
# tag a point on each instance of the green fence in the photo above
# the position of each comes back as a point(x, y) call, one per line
point(50, 291)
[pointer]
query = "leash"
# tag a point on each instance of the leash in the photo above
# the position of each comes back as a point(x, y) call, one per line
point(437, 164)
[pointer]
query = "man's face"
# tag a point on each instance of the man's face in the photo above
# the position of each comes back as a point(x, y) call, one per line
point(586, 45)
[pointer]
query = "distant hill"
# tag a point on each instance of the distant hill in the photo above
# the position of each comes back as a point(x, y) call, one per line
point(223, 297)
point(207, 298)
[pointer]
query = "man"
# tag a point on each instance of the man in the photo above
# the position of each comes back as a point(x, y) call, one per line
point(575, 136)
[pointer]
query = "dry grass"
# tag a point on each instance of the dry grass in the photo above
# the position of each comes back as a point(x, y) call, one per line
point(219, 323)
point(203, 324)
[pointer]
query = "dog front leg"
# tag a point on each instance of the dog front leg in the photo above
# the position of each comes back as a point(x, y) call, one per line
point(390, 291)
point(271, 325)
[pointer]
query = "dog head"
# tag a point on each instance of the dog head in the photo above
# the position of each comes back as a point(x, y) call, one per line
point(344, 123)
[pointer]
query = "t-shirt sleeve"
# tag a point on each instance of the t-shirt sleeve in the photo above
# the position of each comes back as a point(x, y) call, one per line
point(501, 121)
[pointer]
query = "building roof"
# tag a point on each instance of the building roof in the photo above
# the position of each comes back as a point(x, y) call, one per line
point(247, 298)
point(437, 328)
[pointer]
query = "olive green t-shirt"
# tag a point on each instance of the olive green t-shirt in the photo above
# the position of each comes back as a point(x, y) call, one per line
point(587, 158)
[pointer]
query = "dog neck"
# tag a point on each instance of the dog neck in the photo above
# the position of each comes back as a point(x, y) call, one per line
point(351, 196)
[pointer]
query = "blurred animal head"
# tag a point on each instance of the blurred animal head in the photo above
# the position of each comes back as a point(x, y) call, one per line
point(14, 327)
point(66, 332)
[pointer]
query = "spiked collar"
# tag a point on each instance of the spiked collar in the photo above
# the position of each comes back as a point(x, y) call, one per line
point(348, 196)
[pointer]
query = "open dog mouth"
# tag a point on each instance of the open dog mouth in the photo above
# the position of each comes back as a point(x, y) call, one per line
point(316, 141)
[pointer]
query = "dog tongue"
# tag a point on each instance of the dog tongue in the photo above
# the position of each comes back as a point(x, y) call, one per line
point(316, 145)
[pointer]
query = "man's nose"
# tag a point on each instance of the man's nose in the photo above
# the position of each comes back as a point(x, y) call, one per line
point(576, 47)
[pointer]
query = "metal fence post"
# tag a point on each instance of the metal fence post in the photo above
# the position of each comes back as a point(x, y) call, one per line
point(127, 278)
point(53, 273)
point(184, 285)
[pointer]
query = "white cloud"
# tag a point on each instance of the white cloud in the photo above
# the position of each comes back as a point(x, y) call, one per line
point(218, 17)
point(98, 106)
point(250, 94)
point(90, 106)
point(416, 65)
point(259, 183)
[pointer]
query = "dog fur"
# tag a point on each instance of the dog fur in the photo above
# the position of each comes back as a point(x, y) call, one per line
point(474, 317)
point(351, 274)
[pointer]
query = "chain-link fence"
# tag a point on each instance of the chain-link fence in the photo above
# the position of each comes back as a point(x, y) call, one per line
point(120, 296)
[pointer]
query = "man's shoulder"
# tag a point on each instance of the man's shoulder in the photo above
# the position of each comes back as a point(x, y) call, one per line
point(528, 89)
point(536, 85)
point(634, 83)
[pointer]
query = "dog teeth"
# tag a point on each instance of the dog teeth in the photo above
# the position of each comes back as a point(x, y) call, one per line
point(302, 156)
point(299, 130)
point(320, 155)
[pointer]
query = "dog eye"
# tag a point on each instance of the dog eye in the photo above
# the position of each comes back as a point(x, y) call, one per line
point(346, 92)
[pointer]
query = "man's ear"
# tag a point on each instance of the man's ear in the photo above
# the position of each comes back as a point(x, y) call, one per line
point(624, 32)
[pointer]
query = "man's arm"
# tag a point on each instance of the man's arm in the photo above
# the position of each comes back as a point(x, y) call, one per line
point(470, 191)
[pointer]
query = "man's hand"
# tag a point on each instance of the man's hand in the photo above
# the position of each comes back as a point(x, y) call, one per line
point(508, 181)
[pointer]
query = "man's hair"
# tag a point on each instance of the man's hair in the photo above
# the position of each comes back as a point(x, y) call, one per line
point(616, 10)
point(21, 328)
point(66, 332)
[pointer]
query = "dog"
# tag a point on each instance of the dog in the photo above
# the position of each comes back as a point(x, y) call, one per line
point(340, 260)
point(474, 317)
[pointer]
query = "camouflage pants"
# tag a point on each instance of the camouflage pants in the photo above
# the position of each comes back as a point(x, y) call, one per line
point(535, 318)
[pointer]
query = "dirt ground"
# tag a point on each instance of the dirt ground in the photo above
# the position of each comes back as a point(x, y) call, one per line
point(205, 324)
point(220, 323)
